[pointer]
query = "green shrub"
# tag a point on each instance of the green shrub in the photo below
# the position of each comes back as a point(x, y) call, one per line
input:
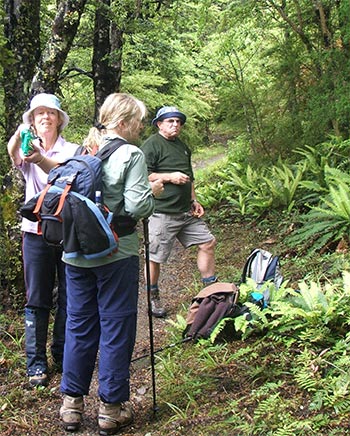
point(329, 222)
point(11, 271)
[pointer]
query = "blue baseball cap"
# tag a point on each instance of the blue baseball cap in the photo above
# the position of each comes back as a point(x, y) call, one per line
point(168, 112)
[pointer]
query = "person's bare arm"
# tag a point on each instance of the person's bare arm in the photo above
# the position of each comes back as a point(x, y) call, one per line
point(177, 178)
point(197, 208)
point(14, 146)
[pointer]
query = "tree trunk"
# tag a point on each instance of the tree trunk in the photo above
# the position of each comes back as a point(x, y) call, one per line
point(64, 29)
point(106, 61)
point(28, 70)
point(22, 31)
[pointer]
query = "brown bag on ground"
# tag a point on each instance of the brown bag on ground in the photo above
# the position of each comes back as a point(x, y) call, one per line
point(209, 306)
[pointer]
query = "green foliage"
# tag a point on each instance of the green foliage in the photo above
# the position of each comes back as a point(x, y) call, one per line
point(330, 221)
point(312, 314)
point(332, 154)
point(11, 275)
point(310, 329)
point(287, 87)
point(283, 182)
point(252, 191)
point(315, 189)
point(157, 68)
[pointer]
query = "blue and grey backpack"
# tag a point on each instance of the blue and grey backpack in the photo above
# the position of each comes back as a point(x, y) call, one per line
point(66, 211)
point(262, 266)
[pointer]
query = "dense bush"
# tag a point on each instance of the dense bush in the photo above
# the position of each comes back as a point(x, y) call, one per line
point(315, 188)
point(11, 274)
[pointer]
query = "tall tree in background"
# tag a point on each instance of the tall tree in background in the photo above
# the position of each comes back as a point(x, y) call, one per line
point(322, 29)
point(22, 31)
point(41, 58)
point(294, 59)
point(107, 54)
point(54, 55)
point(34, 70)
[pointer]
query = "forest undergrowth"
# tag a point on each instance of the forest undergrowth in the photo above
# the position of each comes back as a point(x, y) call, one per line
point(289, 376)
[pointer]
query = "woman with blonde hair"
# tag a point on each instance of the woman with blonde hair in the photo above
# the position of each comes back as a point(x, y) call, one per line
point(102, 293)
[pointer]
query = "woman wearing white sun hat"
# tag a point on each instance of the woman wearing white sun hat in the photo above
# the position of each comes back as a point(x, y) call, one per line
point(42, 263)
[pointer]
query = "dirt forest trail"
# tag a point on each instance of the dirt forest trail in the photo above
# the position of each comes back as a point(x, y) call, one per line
point(39, 415)
point(177, 277)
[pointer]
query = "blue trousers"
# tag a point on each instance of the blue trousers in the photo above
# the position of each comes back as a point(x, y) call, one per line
point(43, 269)
point(101, 316)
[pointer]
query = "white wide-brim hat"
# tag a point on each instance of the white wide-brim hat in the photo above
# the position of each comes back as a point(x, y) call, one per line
point(46, 100)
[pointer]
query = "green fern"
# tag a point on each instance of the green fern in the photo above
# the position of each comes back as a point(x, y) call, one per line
point(338, 203)
point(331, 220)
point(315, 314)
point(305, 374)
point(310, 297)
point(283, 182)
point(219, 328)
point(333, 175)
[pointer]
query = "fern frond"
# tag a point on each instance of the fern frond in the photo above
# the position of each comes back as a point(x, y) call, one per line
point(339, 202)
point(310, 297)
point(220, 327)
point(335, 175)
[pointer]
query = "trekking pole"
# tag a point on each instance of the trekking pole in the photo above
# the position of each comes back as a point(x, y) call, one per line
point(150, 320)
point(166, 347)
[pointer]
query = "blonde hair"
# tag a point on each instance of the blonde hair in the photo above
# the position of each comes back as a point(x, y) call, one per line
point(116, 108)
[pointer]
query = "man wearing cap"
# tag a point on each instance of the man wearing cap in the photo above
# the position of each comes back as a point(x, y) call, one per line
point(42, 263)
point(177, 211)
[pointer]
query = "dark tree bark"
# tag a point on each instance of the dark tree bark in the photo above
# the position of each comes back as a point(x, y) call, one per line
point(22, 31)
point(55, 54)
point(28, 70)
point(107, 56)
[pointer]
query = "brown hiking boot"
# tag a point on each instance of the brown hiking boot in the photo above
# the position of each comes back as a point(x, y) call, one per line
point(156, 307)
point(113, 417)
point(71, 412)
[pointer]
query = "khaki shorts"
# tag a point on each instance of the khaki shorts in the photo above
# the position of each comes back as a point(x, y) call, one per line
point(164, 228)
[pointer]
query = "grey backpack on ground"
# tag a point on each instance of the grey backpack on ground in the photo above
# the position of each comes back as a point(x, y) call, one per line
point(262, 266)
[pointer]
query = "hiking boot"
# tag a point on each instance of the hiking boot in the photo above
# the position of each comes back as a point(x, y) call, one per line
point(71, 412)
point(209, 280)
point(39, 379)
point(156, 307)
point(113, 417)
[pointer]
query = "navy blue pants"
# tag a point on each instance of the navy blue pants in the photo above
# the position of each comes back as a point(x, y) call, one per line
point(43, 270)
point(101, 315)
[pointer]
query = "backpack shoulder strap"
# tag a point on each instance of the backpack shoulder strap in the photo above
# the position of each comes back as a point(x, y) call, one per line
point(259, 266)
point(247, 266)
point(271, 268)
point(110, 148)
point(81, 150)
